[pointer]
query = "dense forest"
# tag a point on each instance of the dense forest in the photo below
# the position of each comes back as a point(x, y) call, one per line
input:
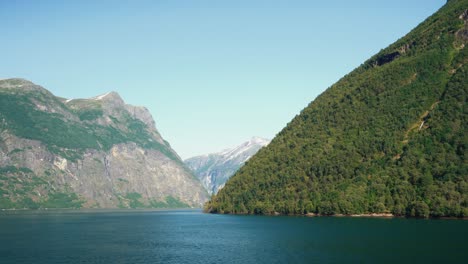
point(389, 137)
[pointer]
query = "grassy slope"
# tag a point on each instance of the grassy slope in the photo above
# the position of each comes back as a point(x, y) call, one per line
point(65, 136)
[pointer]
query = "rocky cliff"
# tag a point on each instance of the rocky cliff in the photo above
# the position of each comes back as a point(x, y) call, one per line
point(215, 169)
point(97, 152)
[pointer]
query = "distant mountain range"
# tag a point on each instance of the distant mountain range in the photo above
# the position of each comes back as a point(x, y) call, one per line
point(390, 137)
point(215, 169)
point(97, 152)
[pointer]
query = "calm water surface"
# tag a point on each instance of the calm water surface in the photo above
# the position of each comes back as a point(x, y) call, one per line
point(194, 237)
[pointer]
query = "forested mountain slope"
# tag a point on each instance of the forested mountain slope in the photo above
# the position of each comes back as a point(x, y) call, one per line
point(389, 137)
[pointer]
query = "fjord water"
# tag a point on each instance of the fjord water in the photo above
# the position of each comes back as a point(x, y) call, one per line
point(189, 236)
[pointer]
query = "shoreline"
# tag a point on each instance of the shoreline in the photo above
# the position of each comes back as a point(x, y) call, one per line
point(378, 215)
point(367, 215)
point(122, 210)
point(386, 215)
point(94, 210)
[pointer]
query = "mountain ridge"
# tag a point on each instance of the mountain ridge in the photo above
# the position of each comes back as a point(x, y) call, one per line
point(97, 152)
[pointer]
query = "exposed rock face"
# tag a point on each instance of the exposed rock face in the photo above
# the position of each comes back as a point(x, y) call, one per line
point(97, 152)
point(463, 32)
point(215, 169)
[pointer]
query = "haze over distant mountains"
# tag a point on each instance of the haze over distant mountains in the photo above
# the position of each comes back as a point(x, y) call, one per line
point(215, 169)
point(97, 152)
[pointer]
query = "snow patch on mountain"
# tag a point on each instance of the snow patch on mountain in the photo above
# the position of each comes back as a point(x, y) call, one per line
point(215, 169)
point(100, 97)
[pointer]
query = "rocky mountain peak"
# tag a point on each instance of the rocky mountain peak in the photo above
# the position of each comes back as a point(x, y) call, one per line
point(14, 82)
point(143, 114)
point(20, 84)
point(112, 101)
point(245, 150)
point(112, 105)
point(215, 169)
point(110, 97)
point(258, 141)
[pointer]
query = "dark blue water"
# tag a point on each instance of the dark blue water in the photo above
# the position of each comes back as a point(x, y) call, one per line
point(194, 237)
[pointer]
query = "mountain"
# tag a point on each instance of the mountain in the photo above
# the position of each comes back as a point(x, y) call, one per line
point(213, 170)
point(97, 152)
point(389, 137)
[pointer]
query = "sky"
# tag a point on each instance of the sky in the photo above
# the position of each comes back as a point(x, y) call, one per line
point(212, 73)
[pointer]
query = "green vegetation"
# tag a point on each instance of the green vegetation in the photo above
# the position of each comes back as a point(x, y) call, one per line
point(90, 114)
point(15, 151)
point(69, 129)
point(170, 202)
point(87, 110)
point(175, 203)
point(28, 122)
point(122, 180)
point(390, 137)
point(135, 200)
point(13, 169)
point(66, 137)
point(139, 134)
point(19, 188)
point(62, 200)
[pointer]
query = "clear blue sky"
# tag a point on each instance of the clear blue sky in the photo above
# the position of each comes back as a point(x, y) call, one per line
point(213, 73)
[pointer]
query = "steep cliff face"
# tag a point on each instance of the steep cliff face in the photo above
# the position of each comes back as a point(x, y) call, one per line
point(97, 152)
point(215, 169)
